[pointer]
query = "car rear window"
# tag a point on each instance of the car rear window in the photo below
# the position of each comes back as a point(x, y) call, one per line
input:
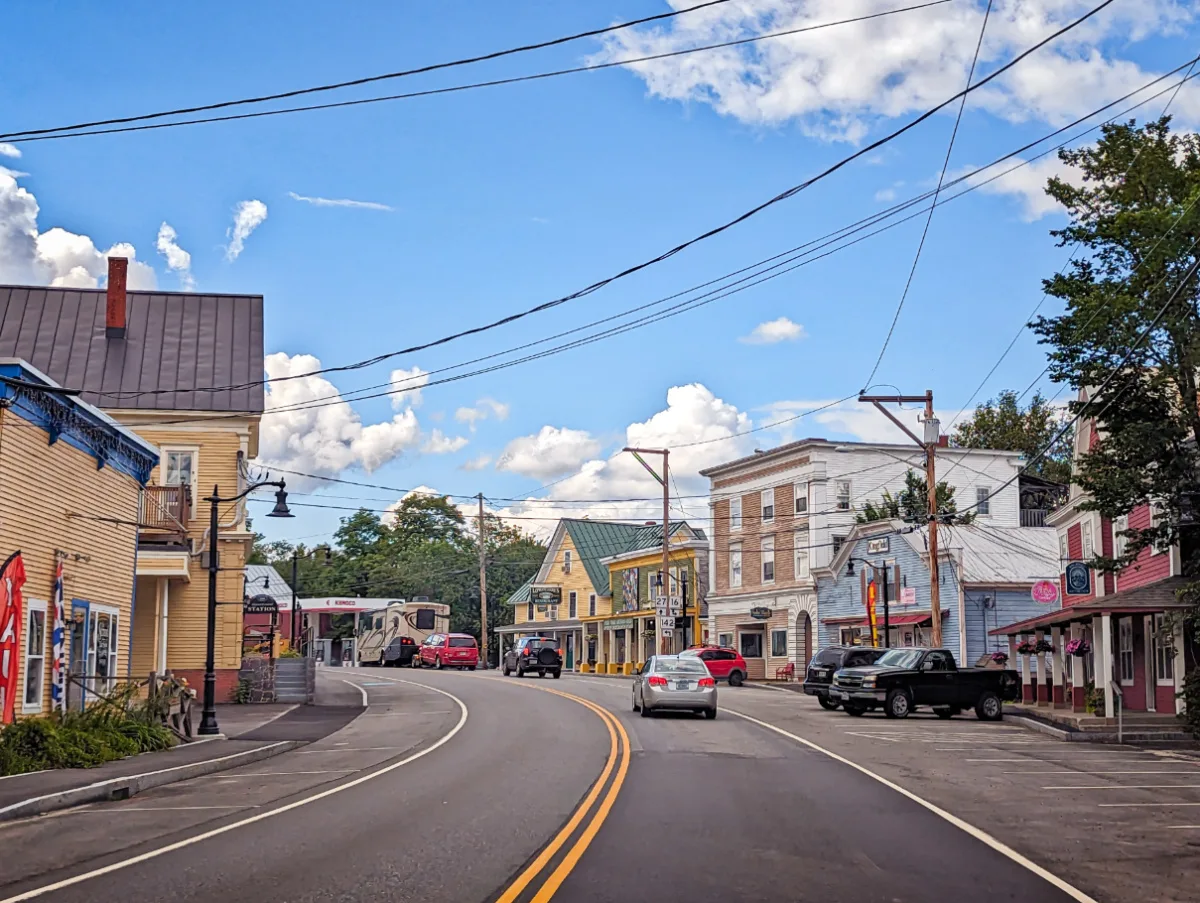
point(462, 641)
point(542, 644)
point(828, 657)
point(680, 666)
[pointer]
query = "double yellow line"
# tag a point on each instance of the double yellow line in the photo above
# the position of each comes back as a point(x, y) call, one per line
point(587, 811)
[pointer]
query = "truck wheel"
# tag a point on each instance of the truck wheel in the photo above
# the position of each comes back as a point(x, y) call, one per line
point(736, 678)
point(827, 704)
point(898, 704)
point(989, 707)
point(556, 673)
point(854, 709)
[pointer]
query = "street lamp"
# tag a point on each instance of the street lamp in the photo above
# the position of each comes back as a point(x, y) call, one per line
point(208, 718)
point(887, 621)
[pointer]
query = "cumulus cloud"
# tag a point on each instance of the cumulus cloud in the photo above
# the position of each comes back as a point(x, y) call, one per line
point(178, 260)
point(1027, 184)
point(406, 387)
point(8, 150)
point(247, 216)
point(329, 439)
point(57, 256)
point(836, 82)
point(438, 443)
point(774, 331)
point(478, 463)
point(340, 202)
point(548, 453)
point(483, 409)
point(858, 421)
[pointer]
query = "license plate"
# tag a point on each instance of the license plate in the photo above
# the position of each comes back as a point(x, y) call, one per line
point(683, 685)
point(821, 675)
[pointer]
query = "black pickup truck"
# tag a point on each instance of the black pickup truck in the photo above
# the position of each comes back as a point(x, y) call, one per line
point(905, 679)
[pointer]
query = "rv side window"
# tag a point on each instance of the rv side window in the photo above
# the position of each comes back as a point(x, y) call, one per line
point(379, 623)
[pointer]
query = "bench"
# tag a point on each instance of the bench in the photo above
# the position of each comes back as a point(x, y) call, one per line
point(787, 672)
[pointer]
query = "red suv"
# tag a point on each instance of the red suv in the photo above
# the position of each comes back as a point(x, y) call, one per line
point(449, 650)
point(722, 663)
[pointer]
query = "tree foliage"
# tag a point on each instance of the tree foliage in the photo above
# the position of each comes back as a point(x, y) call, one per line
point(912, 503)
point(1002, 423)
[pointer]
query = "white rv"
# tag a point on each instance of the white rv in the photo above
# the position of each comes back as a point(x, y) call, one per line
point(392, 635)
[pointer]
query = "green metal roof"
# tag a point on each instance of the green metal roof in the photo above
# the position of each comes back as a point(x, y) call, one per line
point(521, 593)
point(595, 540)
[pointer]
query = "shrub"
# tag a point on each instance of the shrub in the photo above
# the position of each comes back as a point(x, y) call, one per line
point(241, 693)
point(1191, 701)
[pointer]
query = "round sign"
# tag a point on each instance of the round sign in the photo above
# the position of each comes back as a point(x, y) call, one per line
point(1045, 591)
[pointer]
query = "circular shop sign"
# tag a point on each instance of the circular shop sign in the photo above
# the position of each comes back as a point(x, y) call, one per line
point(1045, 591)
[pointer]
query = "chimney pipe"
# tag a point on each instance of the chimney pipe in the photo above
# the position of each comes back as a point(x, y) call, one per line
point(114, 319)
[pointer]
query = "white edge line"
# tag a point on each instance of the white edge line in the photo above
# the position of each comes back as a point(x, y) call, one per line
point(982, 836)
point(1122, 806)
point(145, 774)
point(186, 842)
point(361, 689)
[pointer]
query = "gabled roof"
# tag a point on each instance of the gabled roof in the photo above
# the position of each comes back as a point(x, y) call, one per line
point(276, 587)
point(174, 343)
point(520, 595)
point(596, 540)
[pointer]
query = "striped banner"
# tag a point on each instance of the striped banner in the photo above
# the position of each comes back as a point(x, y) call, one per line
point(58, 638)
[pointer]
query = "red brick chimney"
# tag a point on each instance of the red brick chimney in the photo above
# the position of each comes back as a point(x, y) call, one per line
point(944, 441)
point(114, 319)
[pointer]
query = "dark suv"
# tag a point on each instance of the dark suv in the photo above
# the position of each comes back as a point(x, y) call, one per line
point(821, 668)
point(533, 653)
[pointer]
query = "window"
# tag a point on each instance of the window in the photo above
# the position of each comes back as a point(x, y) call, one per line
point(592, 605)
point(462, 642)
point(35, 656)
point(1156, 516)
point(567, 562)
point(1120, 542)
point(768, 505)
point(940, 661)
point(1086, 533)
point(779, 643)
point(838, 542)
point(735, 513)
point(572, 606)
point(752, 644)
point(1164, 652)
point(529, 613)
point(179, 467)
point(801, 498)
point(735, 566)
point(800, 540)
point(843, 495)
point(1064, 549)
point(725, 639)
point(983, 500)
point(768, 559)
point(1125, 650)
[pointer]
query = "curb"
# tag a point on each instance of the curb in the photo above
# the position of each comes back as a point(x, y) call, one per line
point(130, 785)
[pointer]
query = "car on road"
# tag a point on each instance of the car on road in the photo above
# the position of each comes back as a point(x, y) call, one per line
point(449, 650)
point(679, 683)
point(533, 654)
point(722, 662)
point(821, 667)
point(904, 679)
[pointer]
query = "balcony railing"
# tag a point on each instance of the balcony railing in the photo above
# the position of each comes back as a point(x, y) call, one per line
point(1033, 517)
point(166, 510)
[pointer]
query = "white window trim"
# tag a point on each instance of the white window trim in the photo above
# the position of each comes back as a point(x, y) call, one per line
point(1064, 550)
point(572, 604)
point(837, 495)
point(765, 496)
point(735, 526)
point(771, 641)
point(800, 491)
point(758, 633)
point(1159, 626)
point(591, 605)
point(566, 565)
point(801, 550)
point(114, 614)
point(34, 605)
point(194, 451)
point(1087, 540)
point(731, 637)
point(1120, 543)
point(1121, 651)
point(736, 550)
point(766, 545)
point(1155, 517)
point(984, 502)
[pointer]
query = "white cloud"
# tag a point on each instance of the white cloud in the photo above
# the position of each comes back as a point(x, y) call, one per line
point(438, 443)
point(774, 331)
point(55, 257)
point(478, 463)
point(861, 422)
point(837, 81)
point(178, 260)
point(8, 150)
point(885, 194)
point(483, 409)
point(329, 439)
point(548, 453)
point(1028, 184)
point(247, 216)
point(406, 387)
point(469, 511)
point(340, 202)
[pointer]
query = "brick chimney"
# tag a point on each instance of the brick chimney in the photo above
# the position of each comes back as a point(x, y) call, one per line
point(114, 316)
point(944, 441)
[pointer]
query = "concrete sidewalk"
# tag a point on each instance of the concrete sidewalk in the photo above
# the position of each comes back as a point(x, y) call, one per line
point(260, 733)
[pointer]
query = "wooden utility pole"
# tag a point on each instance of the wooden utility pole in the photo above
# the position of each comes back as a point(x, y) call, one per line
point(483, 620)
point(930, 444)
point(663, 645)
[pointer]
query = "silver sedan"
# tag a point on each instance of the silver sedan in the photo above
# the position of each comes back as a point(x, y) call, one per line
point(674, 683)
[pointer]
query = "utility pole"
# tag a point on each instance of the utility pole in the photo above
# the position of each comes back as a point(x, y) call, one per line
point(665, 481)
point(930, 444)
point(483, 624)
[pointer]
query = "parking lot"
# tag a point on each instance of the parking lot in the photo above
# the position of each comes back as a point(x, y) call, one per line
point(1120, 822)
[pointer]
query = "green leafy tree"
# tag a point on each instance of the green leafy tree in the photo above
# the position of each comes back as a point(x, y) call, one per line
point(1002, 423)
point(912, 503)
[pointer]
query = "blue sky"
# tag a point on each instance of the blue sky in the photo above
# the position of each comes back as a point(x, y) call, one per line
point(506, 197)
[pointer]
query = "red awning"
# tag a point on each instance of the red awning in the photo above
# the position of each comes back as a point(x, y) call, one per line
point(916, 618)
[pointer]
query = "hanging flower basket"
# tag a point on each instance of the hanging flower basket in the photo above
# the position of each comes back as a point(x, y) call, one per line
point(1026, 648)
point(1000, 658)
point(1078, 648)
point(1043, 646)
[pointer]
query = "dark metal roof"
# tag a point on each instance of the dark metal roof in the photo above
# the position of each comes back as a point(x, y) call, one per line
point(175, 342)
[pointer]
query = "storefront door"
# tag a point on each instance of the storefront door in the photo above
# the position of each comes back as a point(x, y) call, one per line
point(570, 660)
point(102, 639)
point(77, 668)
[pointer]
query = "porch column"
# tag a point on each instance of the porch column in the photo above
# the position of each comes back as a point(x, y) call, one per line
point(1102, 630)
point(1043, 697)
point(1078, 703)
point(1058, 694)
point(1026, 682)
point(164, 593)
point(1177, 668)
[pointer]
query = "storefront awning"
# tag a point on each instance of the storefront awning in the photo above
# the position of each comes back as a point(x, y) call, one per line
point(896, 620)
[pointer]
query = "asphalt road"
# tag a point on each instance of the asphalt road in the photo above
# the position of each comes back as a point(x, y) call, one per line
point(471, 787)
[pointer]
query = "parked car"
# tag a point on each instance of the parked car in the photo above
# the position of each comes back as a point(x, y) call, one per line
point(722, 662)
point(449, 650)
point(399, 652)
point(905, 679)
point(821, 667)
point(675, 682)
point(533, 653)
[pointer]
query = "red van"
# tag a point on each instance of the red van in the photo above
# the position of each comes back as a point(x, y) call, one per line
point(449, 650)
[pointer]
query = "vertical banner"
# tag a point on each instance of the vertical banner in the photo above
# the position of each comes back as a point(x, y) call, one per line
point(58, 643)
point(872, 595)
point(12, 578)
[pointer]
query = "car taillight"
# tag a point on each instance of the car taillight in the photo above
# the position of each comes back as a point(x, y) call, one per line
point(657, 681)
point(707, 682)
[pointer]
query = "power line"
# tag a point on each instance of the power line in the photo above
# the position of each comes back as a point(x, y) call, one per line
point(434, 67)
point(937, 191)
point(44, 134)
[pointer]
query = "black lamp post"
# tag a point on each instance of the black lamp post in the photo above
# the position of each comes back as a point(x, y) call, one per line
point(208, 718)
point(887, 621)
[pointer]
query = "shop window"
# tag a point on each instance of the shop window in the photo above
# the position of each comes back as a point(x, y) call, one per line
point(735, 566)
point(751, 644)
point(768, 505)
point(35, 656)
point(1164, 650)
point(1125, 650)
point(779, 643)
point(735, 513)
point(768, 559)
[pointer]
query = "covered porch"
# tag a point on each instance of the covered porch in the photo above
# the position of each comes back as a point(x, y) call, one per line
point(569, 633)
